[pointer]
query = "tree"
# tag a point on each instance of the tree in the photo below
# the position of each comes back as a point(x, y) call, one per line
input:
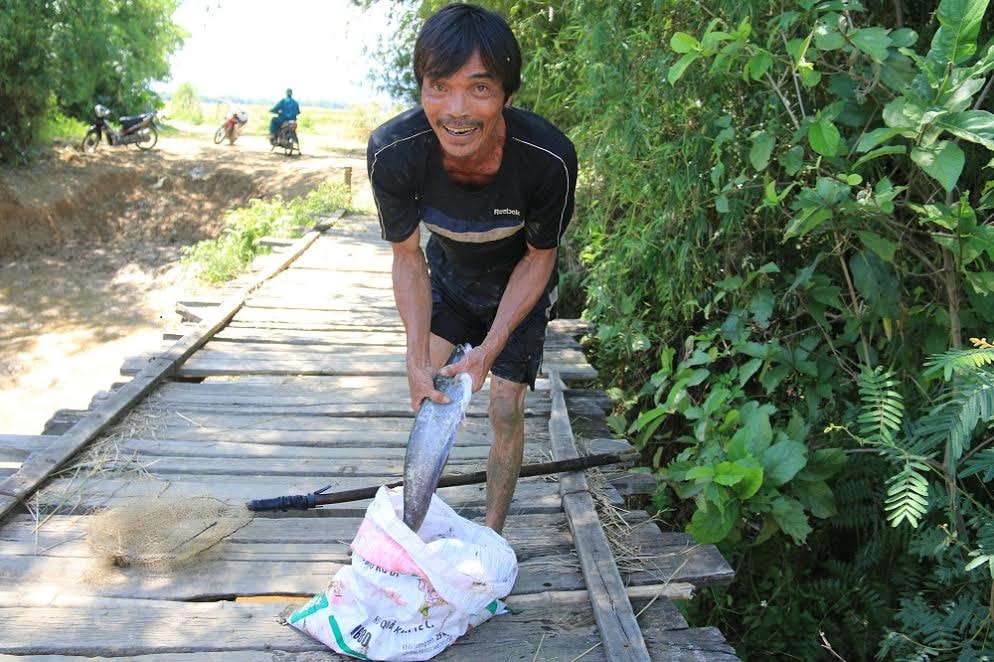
point(79, 53)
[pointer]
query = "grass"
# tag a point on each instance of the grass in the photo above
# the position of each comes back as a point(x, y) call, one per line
point(221, 259)
point(58, 127)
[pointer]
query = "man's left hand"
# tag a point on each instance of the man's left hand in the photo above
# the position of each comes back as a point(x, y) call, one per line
point(476, 363)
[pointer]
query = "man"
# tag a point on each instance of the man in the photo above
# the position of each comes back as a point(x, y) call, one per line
point(286, 109)
point(494, 185)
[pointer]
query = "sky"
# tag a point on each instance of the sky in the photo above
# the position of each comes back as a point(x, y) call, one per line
point(256, 49)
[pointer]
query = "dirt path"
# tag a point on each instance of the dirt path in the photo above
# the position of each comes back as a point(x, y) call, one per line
point(90, 248)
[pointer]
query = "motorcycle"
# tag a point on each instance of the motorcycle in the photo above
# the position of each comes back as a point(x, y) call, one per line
point(286, 138)
point(231, 128)
point(137, 130)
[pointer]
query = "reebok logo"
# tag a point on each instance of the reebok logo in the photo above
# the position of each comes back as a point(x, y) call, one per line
point(506, 212)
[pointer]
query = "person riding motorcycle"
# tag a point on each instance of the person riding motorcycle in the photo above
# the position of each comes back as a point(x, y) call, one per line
point(286, 109)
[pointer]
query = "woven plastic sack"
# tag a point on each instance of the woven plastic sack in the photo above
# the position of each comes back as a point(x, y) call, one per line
point(406, 595)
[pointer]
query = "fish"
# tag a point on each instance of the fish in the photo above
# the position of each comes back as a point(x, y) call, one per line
point(428, 447)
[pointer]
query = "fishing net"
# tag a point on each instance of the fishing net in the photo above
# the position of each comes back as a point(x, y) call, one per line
point(161, 534)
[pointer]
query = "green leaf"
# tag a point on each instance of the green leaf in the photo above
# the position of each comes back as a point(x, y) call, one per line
point(789, 515)
point(792, 160)
point(828, 39)
point(762, 148)
point(942, 161)
point(877, 153)
point(761, 307)
point(698, 473)
point(976, 126)
point(882, 247)
point(681, 42)
point(902, 114)
point(744, 480)
point(982, 282)
point(959, 25)
point(903, 38)
point(824, 138)
point(759, 64)
point(817, 496)
point(873, 138)
point(721, 204)
point(806, 221)
point(877, 283)
point(872, 41)
point(823, 464)
point(782, 461)
point(809, 77)
point(676, 71)
point(712, 525)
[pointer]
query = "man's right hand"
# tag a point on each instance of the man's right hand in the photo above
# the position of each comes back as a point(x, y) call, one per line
point(420, 379)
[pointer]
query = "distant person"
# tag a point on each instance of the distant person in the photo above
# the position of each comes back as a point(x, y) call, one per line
point(286, 109)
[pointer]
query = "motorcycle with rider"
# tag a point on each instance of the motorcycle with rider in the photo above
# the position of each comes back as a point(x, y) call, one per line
point(283, 127)
point(232, 126)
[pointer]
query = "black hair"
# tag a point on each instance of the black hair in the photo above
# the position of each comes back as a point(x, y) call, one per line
point(451, 35)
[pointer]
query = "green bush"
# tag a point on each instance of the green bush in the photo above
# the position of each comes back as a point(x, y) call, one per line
point(783, 213)
point(221, 259)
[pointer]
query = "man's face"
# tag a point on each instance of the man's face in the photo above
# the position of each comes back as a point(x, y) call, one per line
point(464, 110)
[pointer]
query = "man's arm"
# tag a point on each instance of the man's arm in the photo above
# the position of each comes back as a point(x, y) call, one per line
point(524, 289)
point(412, 294)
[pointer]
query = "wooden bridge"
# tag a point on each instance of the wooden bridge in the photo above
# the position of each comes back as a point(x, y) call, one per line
point(294, 380)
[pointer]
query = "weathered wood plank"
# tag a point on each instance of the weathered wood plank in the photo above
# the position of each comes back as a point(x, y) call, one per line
point(352, 336)
point(147, 631)
point(17, 447)
point(354, 450)
point(217, 363)
point(213, 577)
point(621, 635)
point(83, 494)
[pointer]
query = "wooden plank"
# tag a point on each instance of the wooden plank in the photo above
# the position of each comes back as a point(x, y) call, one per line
point(314, 539)
point(17, 447)
point(238, 631)
point(213, 577)
point(387, 338)
point(14, 489)
point(85, 494)
point(620, 633)
point(218, 363)
point(307, 338)
point(354, 450)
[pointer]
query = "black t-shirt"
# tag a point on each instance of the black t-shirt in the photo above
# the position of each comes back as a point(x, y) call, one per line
point(477, 235)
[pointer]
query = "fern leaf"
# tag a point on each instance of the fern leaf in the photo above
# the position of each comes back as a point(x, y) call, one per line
point(952, 422)
point(959, 361)
point(881, 407)
point(982, 462)
point(907, 496)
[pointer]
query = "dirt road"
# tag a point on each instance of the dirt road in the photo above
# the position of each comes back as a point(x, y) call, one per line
point(90, 248)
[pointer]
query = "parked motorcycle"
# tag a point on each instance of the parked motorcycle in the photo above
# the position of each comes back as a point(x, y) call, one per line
point(286, 138)
point(232, 127)
point(137, 130)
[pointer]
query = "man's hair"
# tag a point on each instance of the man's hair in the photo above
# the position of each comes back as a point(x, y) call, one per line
point(451, 35)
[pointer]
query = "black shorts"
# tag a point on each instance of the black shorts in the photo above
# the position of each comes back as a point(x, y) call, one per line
point(459, 322)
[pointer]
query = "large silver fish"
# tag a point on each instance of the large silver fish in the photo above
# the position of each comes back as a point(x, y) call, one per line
point(431, 440)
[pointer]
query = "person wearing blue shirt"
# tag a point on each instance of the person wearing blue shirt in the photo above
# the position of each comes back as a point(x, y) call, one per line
point(285, 109)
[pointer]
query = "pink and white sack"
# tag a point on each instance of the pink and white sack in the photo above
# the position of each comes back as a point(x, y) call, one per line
point(407, 595)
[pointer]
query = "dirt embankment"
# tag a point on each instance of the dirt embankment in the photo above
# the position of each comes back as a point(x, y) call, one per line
point(90, 249)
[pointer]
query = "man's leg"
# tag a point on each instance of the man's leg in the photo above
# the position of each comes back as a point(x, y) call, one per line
point(507, 420)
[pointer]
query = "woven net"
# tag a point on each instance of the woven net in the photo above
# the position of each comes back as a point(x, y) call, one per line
point(160, 534)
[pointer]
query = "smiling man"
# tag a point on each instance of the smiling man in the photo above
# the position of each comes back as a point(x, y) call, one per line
point(494, 185)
